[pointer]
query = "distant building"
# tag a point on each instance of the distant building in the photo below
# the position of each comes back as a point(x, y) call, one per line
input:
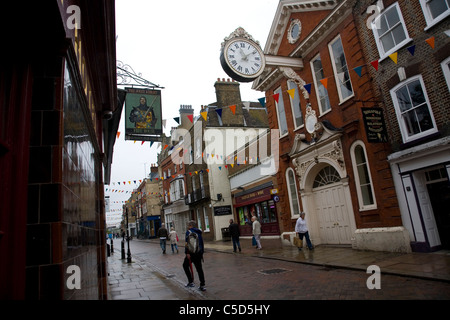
point(222, 128)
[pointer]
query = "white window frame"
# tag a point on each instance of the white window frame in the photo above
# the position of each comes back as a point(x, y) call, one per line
point(277, 105)
point(362, 206)
point(317, 85)
point(375, 23)
point(446, 70)
point(336, 75)
point(291, 205)
point(431, 22)
point(292, 85)
point(398, 112)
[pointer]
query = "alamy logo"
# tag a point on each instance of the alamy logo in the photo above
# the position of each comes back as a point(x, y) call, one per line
point(74, 280)
point(374, 281)
point(74, 20)
point(373, 21)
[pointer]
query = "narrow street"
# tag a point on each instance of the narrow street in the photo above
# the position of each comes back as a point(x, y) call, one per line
point(241, 277)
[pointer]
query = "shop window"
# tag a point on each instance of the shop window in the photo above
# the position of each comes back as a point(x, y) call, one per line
point(435, 11)
point(321, 91)
point(390, 31)
point(341, 73)
point(282, 123)
point(293, 194)
point(295, 105)
point(363, 179)
point(413, 109)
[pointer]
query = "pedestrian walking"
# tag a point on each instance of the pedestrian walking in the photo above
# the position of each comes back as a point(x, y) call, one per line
point(234, 232)
point(194, 250)
point(302, 229)
point(256, 226)
point(173, 239)
point(163, 234)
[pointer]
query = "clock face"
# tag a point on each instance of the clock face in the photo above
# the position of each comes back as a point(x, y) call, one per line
point(244, 58)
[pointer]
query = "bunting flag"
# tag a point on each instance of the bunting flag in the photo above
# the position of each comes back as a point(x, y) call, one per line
point(430, 41)
point(394, 57)
point(151, 143)
point(375, 64)
point(358, 71)
point(118, 134)
point(219, 112)
point(412, 50)
point(308, 87)
point(204, 114)
point(291, 93)
point(262, 101)
point(276, 96)
point(324, 82)
point(142, 143)
point(191, 118)
point(165, 146)
point(233, 109)
point(177, 119)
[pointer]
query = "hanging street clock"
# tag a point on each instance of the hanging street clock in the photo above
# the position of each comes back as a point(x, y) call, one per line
point(241, 56)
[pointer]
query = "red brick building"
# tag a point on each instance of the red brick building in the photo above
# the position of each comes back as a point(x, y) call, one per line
point(333, 165)
point(410, 42)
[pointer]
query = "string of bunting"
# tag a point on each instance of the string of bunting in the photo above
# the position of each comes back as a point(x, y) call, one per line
point(358, 70)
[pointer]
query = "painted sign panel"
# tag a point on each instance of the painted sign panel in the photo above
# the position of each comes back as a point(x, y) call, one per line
point(143, 114)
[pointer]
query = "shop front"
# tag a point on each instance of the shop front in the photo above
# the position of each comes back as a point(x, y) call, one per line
point(259, 203)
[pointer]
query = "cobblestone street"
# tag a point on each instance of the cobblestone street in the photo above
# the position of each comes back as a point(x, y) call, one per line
point(156, 276)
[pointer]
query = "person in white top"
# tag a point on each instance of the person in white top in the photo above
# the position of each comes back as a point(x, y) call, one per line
point(256, 227)
point(302, 230)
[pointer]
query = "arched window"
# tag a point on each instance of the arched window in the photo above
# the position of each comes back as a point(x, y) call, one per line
point(326, 176)
point(293, 195)
point(363, 179)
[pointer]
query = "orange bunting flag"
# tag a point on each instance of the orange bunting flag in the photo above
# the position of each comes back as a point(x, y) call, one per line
point(324, 82)
point(430, 41)
point(165, 147)
point(204, 114)
point(118, 134)
point(233, 109)
point(291, 93)
point(276, 97)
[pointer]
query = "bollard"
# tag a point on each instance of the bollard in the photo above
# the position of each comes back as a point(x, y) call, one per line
point(108, 250)
point(123, 250)
point(112, 246)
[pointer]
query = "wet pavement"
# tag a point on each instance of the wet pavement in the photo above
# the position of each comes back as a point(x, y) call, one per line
point(151, 277)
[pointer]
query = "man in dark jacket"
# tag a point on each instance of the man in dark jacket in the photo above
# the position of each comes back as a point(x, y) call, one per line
point(163, 234)
point(195, 258)
point(234, 232)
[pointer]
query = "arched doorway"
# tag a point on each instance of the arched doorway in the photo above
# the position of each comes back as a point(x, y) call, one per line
point(330, 207)
point(327, 198)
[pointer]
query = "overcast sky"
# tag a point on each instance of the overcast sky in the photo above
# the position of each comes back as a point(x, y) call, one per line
point(176, 45)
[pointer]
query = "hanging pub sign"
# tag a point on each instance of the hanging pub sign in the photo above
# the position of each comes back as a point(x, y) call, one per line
point(375, 126)
point(143, 117)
